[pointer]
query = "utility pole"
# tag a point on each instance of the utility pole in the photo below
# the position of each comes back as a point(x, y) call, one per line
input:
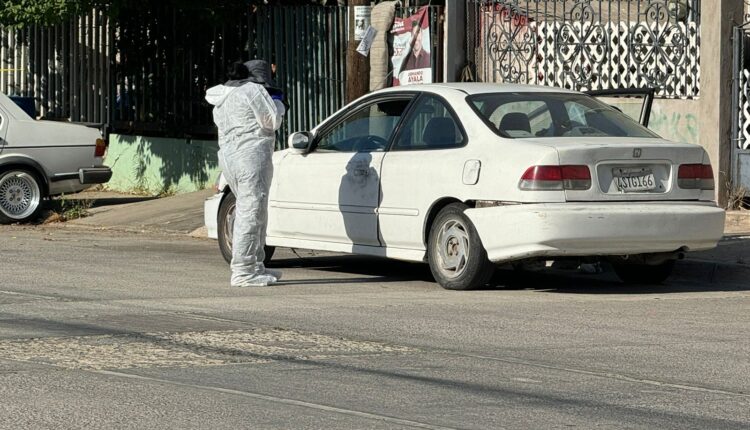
point(357, 65)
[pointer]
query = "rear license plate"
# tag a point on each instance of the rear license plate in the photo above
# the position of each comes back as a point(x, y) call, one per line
point(633, 180)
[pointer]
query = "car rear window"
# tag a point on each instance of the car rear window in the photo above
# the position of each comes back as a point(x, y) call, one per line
point(539, 115)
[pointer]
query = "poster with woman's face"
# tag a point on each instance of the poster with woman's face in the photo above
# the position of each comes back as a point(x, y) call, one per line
point(411, 61)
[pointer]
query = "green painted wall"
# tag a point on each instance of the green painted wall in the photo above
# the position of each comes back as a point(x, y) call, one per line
point(150, 165)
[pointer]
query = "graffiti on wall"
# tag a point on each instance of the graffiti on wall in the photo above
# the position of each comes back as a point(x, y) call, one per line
point(672, 125)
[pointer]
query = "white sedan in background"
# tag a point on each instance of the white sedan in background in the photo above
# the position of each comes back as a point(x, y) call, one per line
point(468, 176)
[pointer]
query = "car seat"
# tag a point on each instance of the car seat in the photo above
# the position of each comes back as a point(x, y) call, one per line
point(439, 133)
point(515, 121)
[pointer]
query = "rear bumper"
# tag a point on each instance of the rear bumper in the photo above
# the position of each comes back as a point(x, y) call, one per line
point(94, 175)
point(211, 215)
point(587, 229)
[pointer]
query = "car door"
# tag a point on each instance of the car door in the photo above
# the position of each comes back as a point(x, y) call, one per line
point(634, 102)
point(331, 193)
point(426, 162)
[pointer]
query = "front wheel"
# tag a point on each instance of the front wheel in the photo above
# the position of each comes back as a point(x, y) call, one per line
point(644, 273)
point(457, 258)
point(226, 227)
point(20, 196)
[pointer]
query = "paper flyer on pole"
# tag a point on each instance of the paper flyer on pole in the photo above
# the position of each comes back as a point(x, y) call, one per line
point(411, 61)
point(362, 17)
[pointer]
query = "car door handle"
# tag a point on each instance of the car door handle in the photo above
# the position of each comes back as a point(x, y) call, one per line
point(361, 172)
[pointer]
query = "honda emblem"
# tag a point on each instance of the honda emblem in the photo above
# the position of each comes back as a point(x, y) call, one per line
point(637, 153)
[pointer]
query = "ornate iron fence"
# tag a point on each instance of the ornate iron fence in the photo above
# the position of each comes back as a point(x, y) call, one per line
point(588, 44)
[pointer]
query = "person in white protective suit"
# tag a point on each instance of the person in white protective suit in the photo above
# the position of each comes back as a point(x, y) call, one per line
point(247, 116)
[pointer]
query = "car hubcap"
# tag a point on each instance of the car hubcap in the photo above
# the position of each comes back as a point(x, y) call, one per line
point(19, 195)
point(453, 248)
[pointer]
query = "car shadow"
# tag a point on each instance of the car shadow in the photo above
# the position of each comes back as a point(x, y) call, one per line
point(58, 204)
point(378, 270)
point(607, 283)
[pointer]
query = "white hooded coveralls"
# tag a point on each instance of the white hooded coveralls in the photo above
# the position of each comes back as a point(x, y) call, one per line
point(247, 119)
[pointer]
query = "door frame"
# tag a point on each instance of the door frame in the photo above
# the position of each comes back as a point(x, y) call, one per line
point(647, 93)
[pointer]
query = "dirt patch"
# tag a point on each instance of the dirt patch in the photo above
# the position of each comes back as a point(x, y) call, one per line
point(187, 349)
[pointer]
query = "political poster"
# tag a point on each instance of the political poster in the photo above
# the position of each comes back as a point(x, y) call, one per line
point(411, 61)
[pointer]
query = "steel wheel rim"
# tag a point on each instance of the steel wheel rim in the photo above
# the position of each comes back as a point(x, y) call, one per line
point(19, 195)
point(453, 248)
point(229, 230)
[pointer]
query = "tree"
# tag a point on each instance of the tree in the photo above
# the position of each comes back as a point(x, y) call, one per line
point(20, 12)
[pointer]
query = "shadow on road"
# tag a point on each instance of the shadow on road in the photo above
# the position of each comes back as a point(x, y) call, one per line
point(382, 270)
point(547, 280)
point(58, 204)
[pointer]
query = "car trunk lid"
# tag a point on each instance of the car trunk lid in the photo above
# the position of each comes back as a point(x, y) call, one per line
point(627, 169)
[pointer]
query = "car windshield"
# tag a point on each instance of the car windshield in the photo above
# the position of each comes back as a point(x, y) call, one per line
point(520, 115)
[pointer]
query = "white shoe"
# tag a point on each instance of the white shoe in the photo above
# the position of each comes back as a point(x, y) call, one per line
point(275, 273)
point(256, 281)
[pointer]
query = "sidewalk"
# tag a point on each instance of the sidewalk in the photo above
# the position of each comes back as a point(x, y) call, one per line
point(180, 214)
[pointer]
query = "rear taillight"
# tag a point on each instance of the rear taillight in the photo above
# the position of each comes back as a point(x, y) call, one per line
point(101, 148)
point(550, 178)
point(695, 177)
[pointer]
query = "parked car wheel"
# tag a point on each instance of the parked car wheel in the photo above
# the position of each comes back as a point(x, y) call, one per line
point(643, 273)
point(226, 227)
point(457, 258)
point(20, 196)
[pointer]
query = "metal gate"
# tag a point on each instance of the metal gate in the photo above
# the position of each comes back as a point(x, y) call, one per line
point(741, 104)
point(64, 67)
point(588, 44)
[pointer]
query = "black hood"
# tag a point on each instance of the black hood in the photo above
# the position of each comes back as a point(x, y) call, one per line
point(260, 73)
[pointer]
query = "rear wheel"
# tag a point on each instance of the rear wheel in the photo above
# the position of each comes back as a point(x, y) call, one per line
point(226, 228)
point(644, 273)
point(456, 255)
point(20, 196)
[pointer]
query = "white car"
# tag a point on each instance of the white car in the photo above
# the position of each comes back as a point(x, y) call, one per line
point(39, 159)
point(467, 176)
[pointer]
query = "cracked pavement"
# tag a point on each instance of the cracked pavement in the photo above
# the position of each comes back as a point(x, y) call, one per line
point(105, 329)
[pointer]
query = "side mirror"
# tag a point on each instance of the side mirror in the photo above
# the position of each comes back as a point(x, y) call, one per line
point(300, 141)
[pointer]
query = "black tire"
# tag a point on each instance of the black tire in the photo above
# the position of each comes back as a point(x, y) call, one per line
point(27, 182)
point(226, 224)
point(452, 234)
point(643, 273)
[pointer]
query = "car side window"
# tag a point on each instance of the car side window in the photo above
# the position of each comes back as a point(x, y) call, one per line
point(431, 125)
point(369, 129)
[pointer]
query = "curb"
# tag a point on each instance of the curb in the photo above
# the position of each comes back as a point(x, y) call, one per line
point(712, 272)
point(737, 222)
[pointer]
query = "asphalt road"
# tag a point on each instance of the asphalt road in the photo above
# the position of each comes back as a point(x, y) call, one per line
point(100, 329)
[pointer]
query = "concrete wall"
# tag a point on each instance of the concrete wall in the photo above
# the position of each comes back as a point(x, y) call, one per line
point(676, 120)
point(672, 119)
point(149, 165)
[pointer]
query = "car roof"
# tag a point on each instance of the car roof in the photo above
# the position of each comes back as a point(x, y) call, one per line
point(471, 88)
point(12, 108)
